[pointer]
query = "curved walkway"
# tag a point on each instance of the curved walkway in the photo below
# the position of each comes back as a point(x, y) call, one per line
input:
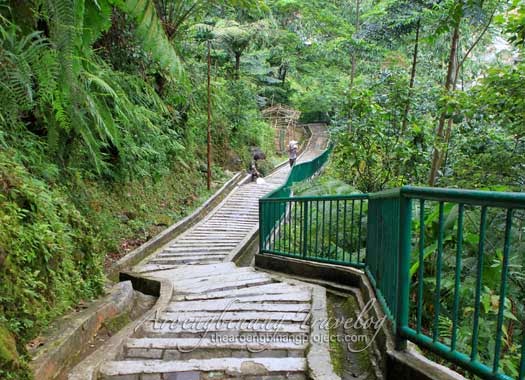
point(223, 322)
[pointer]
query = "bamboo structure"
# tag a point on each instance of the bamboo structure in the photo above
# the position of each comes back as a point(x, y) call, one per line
point(284, 120)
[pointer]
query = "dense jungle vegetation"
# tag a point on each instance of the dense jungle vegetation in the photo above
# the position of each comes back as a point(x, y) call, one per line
point(104, 110)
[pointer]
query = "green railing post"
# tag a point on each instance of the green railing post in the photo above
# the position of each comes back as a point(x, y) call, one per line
point(262, 232)
point(305, 228)
point(403, 280)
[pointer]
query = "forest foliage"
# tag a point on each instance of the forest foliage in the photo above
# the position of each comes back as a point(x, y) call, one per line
point(435, 96)
point(103, 117)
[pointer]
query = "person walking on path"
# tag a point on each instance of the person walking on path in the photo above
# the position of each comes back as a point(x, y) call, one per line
point(292, 152)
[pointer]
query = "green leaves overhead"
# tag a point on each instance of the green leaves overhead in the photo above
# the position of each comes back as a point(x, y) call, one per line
point(19, 57)
point(150, 32)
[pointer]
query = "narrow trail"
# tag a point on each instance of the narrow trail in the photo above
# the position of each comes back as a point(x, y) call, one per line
point(223, 321)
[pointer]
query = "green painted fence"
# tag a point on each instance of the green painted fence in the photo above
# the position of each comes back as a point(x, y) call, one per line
point(411, 242)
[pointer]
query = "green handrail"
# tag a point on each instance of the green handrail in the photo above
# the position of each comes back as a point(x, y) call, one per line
point(403, 238)
point(273, 215)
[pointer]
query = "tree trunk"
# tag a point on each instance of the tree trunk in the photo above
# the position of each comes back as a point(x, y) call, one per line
point(209, 116)
point(237, 65)
point(354, 55)
point(412, 79)
point(450, 82)
point(354, 60)
point(458, 68)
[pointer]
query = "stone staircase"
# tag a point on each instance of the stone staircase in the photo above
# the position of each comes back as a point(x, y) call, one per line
point(222, 322)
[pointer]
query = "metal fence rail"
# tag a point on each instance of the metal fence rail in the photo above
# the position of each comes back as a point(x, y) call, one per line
point(493, 216)
point(331, 229)
point(432, 255)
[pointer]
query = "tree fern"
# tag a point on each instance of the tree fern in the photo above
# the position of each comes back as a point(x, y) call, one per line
point(19, 56)
point(151, 33)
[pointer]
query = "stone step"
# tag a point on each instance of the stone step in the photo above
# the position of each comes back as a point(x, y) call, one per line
point(202, 286)
point(225, 286)
point(235, 236)
point(235, 213)
point(231, 368)
point(224, 225)
point(201, 245)
point(193, 255)
point(237, 220)
point(210, 278)
point(233, 316)
point(189, 260)
point(153, 268)
point(223, 346)
point(233, 304)
point(236, 217)
point(204, 227)
point(207, 241)
point(217, 273)
point(221, 238)
point(296, 297)
point(191, 272)
point(269, 289)
point(197, 330)
point(244, 208)
point(224, 228)
point(196, 249)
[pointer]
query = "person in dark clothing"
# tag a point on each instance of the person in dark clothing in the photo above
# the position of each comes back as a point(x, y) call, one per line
point(253, 169)
point(292, 152)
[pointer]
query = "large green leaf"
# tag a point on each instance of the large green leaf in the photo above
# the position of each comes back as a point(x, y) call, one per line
point(154, 39)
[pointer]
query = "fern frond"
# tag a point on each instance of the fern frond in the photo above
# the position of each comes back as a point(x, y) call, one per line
point(154, 39)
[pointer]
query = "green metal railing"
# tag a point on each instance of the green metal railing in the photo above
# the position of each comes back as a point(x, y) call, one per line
point(437, 258)
point(330, 230)
point(467, 225)
point(273, 215)
point(301, 172)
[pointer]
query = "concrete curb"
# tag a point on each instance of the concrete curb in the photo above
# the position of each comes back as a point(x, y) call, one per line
point(146, 249)
point(69, 334)
point(88, 368)
point(408, 364)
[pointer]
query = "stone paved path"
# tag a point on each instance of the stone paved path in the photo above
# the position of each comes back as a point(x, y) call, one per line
point(223, 322)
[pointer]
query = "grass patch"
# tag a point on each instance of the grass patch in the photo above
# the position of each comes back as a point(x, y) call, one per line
point(337, 352)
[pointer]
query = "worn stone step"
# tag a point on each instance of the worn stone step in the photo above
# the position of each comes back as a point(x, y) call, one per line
point(226, 286)
point(196, 249)
point(251, 207)
point(147, 268)
point(202, 243)
point(227, 228)
point(236, 214)
point(232, 218)
point(233, 316)
point(269, 289)
point(233, 304)
point(180, 256)
point(209, 286)
point(216, 273)
point(210, 278)
point(181, 261)
point(202, 255)
point(296, 297)
point(192, 272)
point(216, 346)
point(219, 238)
point(276, 368)
point(223, 225)
point(195, 330)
